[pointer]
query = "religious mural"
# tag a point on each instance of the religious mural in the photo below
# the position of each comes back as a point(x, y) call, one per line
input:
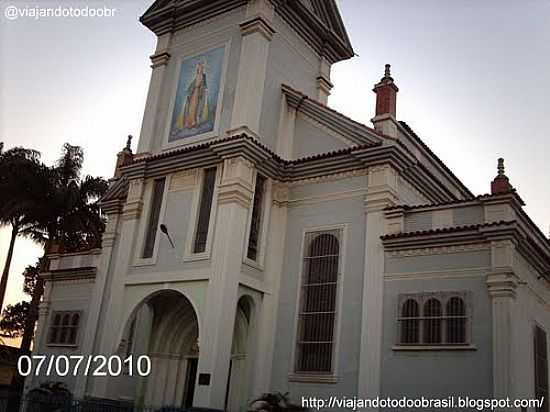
point(197, 95)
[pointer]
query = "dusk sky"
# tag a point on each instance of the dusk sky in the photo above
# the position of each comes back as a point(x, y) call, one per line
point(474, 80)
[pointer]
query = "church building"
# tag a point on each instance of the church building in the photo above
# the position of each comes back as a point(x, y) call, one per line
point(259, 241)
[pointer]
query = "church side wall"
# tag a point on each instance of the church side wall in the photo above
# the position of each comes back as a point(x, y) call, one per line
point(530, 310)
point(311, 207)
point(438, 373)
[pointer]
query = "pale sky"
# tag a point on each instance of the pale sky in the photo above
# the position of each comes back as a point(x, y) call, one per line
point(474, 79)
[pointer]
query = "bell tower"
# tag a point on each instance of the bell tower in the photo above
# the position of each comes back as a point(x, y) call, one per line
point(219, 66)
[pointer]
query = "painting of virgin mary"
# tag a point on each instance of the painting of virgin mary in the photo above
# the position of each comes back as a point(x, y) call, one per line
point(197, 95)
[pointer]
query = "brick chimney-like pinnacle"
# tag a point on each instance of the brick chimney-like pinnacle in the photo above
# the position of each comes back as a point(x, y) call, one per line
point(501, 184)
point(386, 94)
point(124, 157)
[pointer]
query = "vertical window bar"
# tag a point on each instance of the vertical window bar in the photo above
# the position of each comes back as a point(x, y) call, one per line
point(154, 214)
point(255, 223)
point(205, 207)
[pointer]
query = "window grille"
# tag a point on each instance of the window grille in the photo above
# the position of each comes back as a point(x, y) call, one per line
point(541, 367)
point(433, 319)
point(205, 207)
point(456, 320)
point(410, 322)
point(64, 328)
point(317, 314)
point(154, 214)
point(255, 223)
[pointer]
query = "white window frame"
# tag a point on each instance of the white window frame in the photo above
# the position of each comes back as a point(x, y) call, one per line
point(144, 221)
point(50, 325)
point(421, 298)
point(189, 255)
point(315, 377)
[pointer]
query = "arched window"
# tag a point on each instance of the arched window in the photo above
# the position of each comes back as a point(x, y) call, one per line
point(410, 322)
point(318, 302)
point(456, 320)
point(432, 321)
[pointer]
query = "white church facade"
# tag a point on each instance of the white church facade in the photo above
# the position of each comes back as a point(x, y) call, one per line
point(259, 241)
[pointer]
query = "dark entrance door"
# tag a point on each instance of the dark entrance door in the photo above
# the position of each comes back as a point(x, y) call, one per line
point(190, 379)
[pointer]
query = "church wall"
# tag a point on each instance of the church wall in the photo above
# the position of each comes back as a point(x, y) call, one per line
point(200, 37)
point(179, 215)
point(530, 310)
point(73, 296)
point(310, 138)
point(438, 373)
point(306, 215)
point(290, 62)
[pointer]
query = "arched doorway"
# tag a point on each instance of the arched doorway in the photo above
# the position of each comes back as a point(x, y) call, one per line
point(238, 385)
point(163, 326)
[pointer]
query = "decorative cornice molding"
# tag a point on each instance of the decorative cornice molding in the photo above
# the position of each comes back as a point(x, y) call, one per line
point(74, 274)
point(439, 250)
point(257, 25)
point(160, 59)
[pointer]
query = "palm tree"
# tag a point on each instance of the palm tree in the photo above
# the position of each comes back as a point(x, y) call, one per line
point(69, 216)
point(22, 175)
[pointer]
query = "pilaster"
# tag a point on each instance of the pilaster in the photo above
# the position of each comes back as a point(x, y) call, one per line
point(113, 269)
point(273, 272)
point(502, 285)
point(234, 199)
point(324, 85)
point(159, 62)
point(256, 32)
point(381, 193)
point(285, 131)
point(96, 300)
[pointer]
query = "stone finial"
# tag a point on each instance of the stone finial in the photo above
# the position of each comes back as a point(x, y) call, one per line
point(129, 142)
point(501, 183)
point(387, 71)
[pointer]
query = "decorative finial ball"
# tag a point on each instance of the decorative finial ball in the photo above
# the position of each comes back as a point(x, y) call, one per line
point(129, 141)
point(387, 70)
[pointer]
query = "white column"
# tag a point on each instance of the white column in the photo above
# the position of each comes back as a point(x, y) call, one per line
point(256, 38)
point(381, 192)
point(159, 61)
point(216, 329)
point(267, 319)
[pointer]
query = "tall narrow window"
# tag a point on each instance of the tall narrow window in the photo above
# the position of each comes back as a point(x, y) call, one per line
point(255, 223)
point(153, 221)
point(318, 303)
point(456, 321)
point(410, 322)
point(541, 367)
point(432, 321)
point(205, 206)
